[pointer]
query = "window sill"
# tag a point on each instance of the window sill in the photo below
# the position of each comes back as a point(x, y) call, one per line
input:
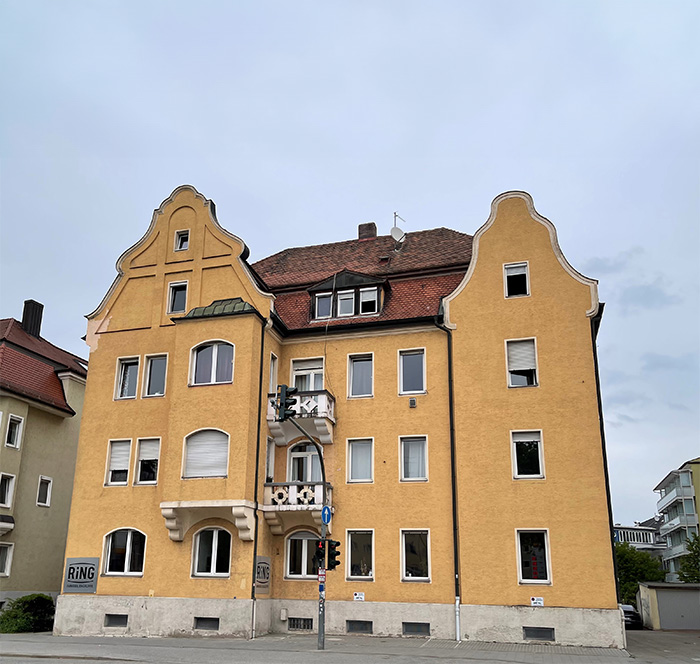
point(534, 582)
point(116, 484)
point(206, 477)
point(359, 482)
point(228, 382)
point(361, 579)
point(153, 396)
point(415, 580)
point(360, 396)
point(12, 447)
point(515, 297)
point(412, 394)
point(125, 398)
point(413, 479)
point(301, 578)
point(519, 478)
point(520, 387)
point(42, 505)
point(210, 576)
point(146, 483)
point(133, 575)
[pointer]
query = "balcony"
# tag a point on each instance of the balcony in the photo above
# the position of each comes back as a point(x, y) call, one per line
point(677, 493)
point(290, 504)
point(315, 413)
point(675, 551)
point(681, 521)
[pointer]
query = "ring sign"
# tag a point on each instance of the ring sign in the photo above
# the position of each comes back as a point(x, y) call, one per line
point(326, 514)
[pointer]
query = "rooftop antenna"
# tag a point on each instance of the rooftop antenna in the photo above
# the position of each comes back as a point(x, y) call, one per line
point(396, 232)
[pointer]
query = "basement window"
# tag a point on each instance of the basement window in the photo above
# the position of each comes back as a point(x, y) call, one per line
point(300, 624)
point(538, 634)
point(516, 280)
point(358, 626)
point(415, 629)
point(116, 619)
point(210, 624)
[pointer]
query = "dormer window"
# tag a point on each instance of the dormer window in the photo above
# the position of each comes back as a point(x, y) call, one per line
point(324, 305)
point(345, 295)
point(182, 240)
point(346, 303)
point(368, 301)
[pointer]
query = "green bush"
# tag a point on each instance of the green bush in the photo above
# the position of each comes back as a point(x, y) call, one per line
point(31, 613)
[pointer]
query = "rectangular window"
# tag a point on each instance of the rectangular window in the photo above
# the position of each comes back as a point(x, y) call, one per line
point(522, 363)
point(361, 379)
point(272, 389)
point(324, 305)
point(414, 464)
point(119, 453)
point(527, 454)
point(308, 374)
point(43, 494)
point(156, 367)
point(182, 240)
point(7, 486)
point(13, 437)
point(415, 555)
point(369, 302)
point(360, 460)
point(128, 375)
point(516, 280)
point(532, 552)
point(148, 456)
point(360, 554)
point(6, 558)
point(177, 297)
point(412, 371)
point(346, 303)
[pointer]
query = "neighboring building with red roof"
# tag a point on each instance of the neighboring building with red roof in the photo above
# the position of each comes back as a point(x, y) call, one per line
point(41, 398)
point(447, 384)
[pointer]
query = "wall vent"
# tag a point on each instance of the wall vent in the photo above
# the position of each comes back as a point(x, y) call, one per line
point(211, 624)
point(300, 624)
point(538, 633)
point(358, 626)
point(415, 629)
point(412, 402)
point(116, 619)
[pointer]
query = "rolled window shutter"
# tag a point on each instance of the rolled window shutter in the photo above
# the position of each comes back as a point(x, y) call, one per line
point(521, 355)
point(148, 449)
point(526, 436)
point(512, 270)
point(206, 454)
point(119, 455)
point(306, 365)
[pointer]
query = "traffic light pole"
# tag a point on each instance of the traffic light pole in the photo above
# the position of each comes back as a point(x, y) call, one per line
point(321, 586)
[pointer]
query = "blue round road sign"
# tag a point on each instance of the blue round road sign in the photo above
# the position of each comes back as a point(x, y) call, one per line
point(326, 514)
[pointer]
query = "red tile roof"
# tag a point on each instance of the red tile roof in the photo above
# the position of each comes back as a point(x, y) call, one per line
point(29, 366)
point(434, 250)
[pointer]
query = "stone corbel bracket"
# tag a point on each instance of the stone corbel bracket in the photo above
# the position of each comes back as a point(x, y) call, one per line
point(181, 515)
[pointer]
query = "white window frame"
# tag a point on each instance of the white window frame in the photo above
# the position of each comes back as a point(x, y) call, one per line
point(375, 290)
point(348, 562)
point(346, 295)
point(305, 555)
point(316, 297)
point(118, 377)
point(109, 462)
point(171, 285)
point(426, 457)
point(293, 373)
point(20, 430)
point(270, 459)
point(533, 582)
point(179, 234)
point(514, 458)
point(184, 455)
point(291, 454)
point(505, 279)
point(194, 574)
point(348, 462)
point(137, 461)
point(412, 351)
point(537, 364)
point(10, 546)
point(274, 369)
point(402, 543)
point(146, 369)
point(105, 548)
point(10, 491)
point(44, 478)
point(215, 354)
point(359, 356)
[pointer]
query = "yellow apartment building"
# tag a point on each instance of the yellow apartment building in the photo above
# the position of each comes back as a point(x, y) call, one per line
point(451, 382)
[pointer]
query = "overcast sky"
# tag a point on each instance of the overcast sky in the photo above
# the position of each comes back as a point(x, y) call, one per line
point(303, 119)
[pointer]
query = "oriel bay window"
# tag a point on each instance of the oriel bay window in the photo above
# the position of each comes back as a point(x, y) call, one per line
point(212, 363)
point(301, 563)
point(124, 552)
point(212, 552)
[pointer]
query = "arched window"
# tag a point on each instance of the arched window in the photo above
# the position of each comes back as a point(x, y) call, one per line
point(304, 465)
point(212, 362)
point(212, 552)
point(301, 563)
point(124, 552)
point(206, 454)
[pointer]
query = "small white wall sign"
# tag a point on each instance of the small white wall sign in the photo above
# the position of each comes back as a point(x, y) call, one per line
point(358, 597)
point(536, 601)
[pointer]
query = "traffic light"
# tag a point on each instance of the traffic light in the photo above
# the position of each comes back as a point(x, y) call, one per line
point(333, 554)
point(286, 402)
point(320, 554)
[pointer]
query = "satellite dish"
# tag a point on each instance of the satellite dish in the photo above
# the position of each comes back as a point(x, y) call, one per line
point(397, 234)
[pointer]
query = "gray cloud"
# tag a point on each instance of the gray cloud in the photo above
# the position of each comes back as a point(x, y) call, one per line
point(603, 265)
point(660, 362)
point(627, 398)
point(678, 406)
point(647, 296)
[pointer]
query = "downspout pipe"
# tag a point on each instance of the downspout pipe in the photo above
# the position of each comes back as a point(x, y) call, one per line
point(264, 324)
point(453, 469)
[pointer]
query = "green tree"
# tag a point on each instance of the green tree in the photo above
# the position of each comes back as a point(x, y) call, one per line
point(690, 564)
point(634, 566)
point(30, 613)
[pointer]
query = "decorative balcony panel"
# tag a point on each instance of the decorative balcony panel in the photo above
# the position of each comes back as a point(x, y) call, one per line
point(288, 504)
point(677, 493)
point(315, 413)
point(675, 551)
point(681, 521)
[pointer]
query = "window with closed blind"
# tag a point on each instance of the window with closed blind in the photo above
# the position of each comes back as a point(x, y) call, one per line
point(521, 357)
point(206, 454)
point(118, 470)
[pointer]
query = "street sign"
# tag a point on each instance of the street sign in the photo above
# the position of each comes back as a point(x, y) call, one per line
point(321, 575)
point(326, 514)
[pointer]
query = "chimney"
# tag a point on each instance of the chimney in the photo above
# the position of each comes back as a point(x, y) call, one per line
point(31, 317)
point(367, 231)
